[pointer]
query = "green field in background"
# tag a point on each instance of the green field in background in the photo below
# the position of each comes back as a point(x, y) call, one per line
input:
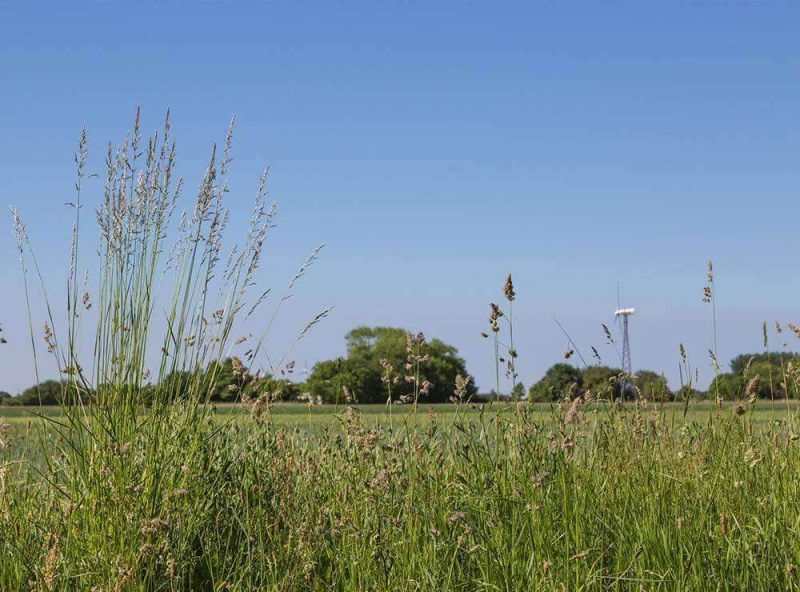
point(313, 417)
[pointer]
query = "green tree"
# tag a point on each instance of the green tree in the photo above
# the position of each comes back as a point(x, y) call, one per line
point(48, 392)
point(652, 386)
point(518, 392)
point(740, 363)
point(686, 392)
point(729, 385)
point(603, 381)
point(330, 378)
point(560, 380)
point(770, 380)
point(226, 380)
point(278, 389)
point(174, 386)
point(361, 372)
point(4, 397)
point(775, 381)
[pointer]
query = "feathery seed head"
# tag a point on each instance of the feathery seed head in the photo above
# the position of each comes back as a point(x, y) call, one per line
point(751, 390)
point(508, 289)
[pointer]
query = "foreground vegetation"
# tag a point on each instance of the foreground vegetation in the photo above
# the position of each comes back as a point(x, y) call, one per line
point(138, 481)
point(597, 497)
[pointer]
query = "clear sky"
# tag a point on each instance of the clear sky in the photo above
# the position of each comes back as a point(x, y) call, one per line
point(435, 146)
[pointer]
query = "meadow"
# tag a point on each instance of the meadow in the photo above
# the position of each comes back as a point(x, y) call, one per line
point(313, 419)
point(138, 482)
point(585, 496)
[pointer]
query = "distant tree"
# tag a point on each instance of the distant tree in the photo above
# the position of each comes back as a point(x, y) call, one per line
point(687, 392)
point(45, 393)
point(330, 378)
point(226, 380)
point(221, 381)
point(361, 372)
point(774, 379)
point(770, 381)
point(175, 386)
point(518, 392)
point(540, 393)
point(730, 386)
point(4, 397)
point(741, 362)
point(278, 389)
point(49, 392)
point(559, 381)
point(602, 381)
point(652, 386)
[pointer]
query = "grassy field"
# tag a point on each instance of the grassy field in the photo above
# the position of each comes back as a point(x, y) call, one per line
point(150, 489)
point(564, 497)
point(312, 418)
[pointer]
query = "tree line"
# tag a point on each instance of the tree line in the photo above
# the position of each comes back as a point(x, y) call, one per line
point(773, 375)
point(381, 363)
point(390, 364)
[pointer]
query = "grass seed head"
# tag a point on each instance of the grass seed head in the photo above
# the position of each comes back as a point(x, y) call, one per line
point(508, 289)
point(751, 390)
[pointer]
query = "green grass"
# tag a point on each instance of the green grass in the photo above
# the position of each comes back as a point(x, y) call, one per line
point(305, 417)
point(141, 485)
point(609, 497)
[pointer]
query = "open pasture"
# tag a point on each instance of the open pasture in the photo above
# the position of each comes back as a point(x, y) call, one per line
point(312, 418)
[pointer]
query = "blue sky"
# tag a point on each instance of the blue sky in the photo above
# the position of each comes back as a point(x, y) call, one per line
point(435, 146)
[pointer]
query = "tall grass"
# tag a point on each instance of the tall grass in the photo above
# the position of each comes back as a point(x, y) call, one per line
point(122, 445)
point(138, 485)
point(604, 497)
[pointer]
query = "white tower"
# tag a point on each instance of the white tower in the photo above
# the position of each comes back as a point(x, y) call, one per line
point(623, 314)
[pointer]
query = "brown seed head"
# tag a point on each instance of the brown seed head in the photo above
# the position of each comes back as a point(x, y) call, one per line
point(508, 289)
point(494, 314)
point(572, 413)
point(752, 388)
point(461, 386)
